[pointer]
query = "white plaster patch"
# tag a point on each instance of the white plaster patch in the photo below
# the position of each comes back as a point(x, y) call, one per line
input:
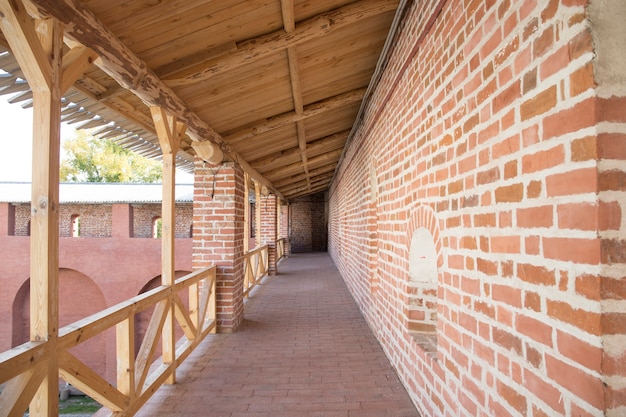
point(423, 257)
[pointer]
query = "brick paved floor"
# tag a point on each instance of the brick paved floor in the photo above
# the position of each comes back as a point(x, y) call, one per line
point(304, 350)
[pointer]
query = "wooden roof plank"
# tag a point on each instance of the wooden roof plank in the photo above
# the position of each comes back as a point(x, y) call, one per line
point(253, 49)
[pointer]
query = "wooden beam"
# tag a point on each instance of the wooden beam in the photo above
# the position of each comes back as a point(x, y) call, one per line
point(88, 381)
point(305, 191)
point(289, 22)
point(18, 392)
point(38, 48)
point(263, 46)
point(132, 73)
point(246, 214)
point(23, 39)
point(75, 63)
point(257, 213)
point(329, 142)
point(323, 159)
point(319, 180)
point(296, 88)
point(170, 132)
point(311, 110)
point(286, 181)
point(125, 349)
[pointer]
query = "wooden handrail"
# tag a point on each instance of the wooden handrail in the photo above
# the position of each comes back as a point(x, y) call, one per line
point(256, 266)
point(280, 248)
point(138, 376)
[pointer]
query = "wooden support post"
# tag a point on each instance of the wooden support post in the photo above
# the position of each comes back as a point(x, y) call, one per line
point(38, 48)
point(170, 133)
point(246, 214)
point(125, 344)
point(257, 214)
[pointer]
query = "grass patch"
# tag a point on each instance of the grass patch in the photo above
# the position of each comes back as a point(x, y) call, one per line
point(80, 404)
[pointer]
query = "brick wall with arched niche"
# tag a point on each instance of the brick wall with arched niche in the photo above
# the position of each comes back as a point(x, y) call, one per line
point(425, 259)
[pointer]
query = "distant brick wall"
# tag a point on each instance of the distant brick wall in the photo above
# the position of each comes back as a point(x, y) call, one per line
point(22, 219)
point(491, 116)
point(144, 214)
point(309, 224)
point(96, 219)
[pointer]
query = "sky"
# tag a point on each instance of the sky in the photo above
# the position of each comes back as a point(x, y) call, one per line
point(16, 143)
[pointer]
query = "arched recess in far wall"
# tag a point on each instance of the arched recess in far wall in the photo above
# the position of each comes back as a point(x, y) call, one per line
point(425, 260)
point(79, 297)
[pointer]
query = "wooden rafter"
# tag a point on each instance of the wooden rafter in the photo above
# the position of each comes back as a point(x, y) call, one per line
point(317, 161)
point(311, 110)
point(330, 142)
point(253, 49)
point(286, 181)
point(305, 191)
point(296, 88)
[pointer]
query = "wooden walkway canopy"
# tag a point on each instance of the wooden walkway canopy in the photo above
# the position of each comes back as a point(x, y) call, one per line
point(276, 84)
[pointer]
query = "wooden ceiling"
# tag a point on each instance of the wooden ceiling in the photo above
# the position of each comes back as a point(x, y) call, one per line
point(277, 84)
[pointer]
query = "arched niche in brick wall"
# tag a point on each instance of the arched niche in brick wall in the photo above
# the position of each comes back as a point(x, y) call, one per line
point(424, 250)
point(79, 297)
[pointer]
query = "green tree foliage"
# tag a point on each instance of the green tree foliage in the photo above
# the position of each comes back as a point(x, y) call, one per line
point(88, 159)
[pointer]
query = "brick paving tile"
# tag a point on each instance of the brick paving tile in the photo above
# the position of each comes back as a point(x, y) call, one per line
point(304, 350)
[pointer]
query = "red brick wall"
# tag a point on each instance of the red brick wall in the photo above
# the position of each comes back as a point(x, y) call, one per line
point(491, 116)
point(309, 224)
point(96, 219)
point(144, 214)
point(609, 147)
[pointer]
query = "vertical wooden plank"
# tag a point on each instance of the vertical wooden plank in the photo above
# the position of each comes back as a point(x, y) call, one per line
point(38, 48)
point(44, 250)
point(278, 217)
point(246, 214)
point(257, 214)
point(194, 310)
point(170, 133)
point(212, 302)
point(167, 258)
point(125, 343)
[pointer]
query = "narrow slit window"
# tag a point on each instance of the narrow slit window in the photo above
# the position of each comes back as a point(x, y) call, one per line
point(156, 228)
point(75, 225)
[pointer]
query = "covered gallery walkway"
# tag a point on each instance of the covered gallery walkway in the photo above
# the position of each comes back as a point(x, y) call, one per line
point(303, 350)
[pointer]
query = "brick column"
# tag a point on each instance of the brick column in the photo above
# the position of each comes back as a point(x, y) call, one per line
point(269, 228)
point(218, 222)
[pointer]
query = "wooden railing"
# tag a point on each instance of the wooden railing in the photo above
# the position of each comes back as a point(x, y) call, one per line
point(280, 248)
point(256, 266)
point(138, 375)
